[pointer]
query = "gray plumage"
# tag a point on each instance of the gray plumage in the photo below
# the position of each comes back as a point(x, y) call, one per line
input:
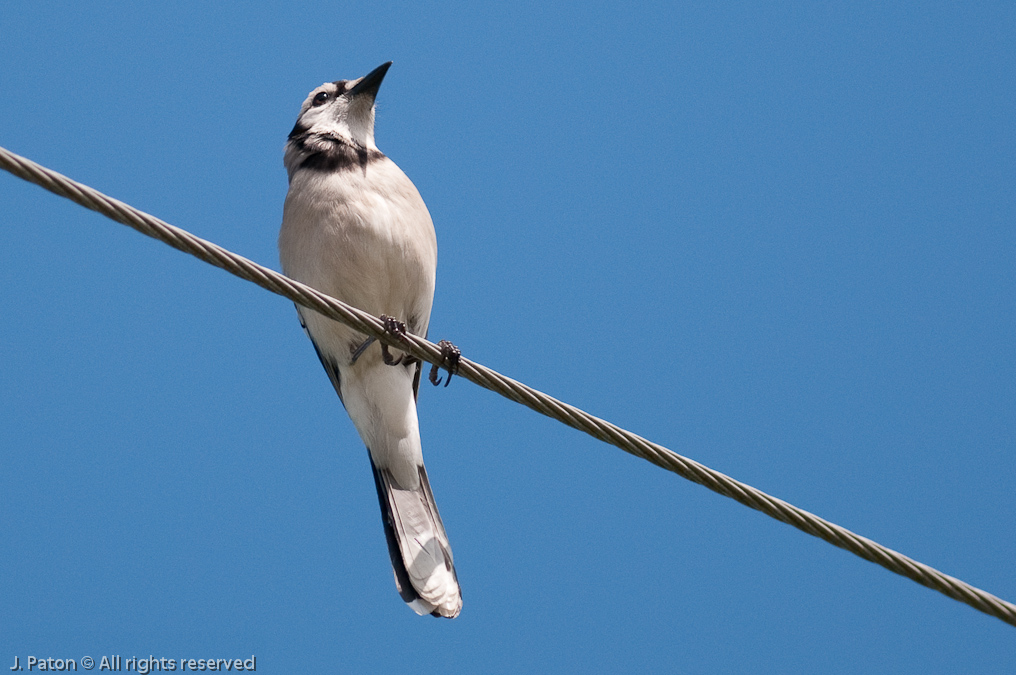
point(355, 227)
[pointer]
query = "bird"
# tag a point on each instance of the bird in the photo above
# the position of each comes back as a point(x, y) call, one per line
point(356, 228)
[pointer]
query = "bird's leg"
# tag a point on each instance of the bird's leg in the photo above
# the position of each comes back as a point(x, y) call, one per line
point(396, 328)
point(360, 350)
point(450, 355)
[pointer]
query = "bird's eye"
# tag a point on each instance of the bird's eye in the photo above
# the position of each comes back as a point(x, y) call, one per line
point(320, 98)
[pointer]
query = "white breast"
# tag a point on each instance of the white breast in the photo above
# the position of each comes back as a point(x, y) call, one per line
point(364, 237)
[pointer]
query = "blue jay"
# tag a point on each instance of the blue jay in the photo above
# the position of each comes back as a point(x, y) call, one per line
point(355, 227)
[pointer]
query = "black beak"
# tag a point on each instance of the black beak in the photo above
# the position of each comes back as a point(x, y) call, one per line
point(371, 82)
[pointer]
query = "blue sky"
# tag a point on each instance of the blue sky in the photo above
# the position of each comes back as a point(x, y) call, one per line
point(775, 237)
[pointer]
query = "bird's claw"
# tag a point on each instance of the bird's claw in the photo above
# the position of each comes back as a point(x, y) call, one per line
point(398, 329)
point(450, 356)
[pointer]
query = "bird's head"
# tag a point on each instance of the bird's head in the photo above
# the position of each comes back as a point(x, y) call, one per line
point(343, 109)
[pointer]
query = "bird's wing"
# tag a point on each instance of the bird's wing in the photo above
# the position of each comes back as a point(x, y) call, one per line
point(330, 366)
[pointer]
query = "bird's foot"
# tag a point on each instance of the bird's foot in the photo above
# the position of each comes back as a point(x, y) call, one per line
point(450, 356)
point(396, 328)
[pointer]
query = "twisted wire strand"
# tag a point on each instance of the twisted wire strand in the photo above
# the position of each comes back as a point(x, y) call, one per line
point(511, 389)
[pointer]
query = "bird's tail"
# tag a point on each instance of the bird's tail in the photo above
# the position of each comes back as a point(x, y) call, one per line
point(419, 548)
